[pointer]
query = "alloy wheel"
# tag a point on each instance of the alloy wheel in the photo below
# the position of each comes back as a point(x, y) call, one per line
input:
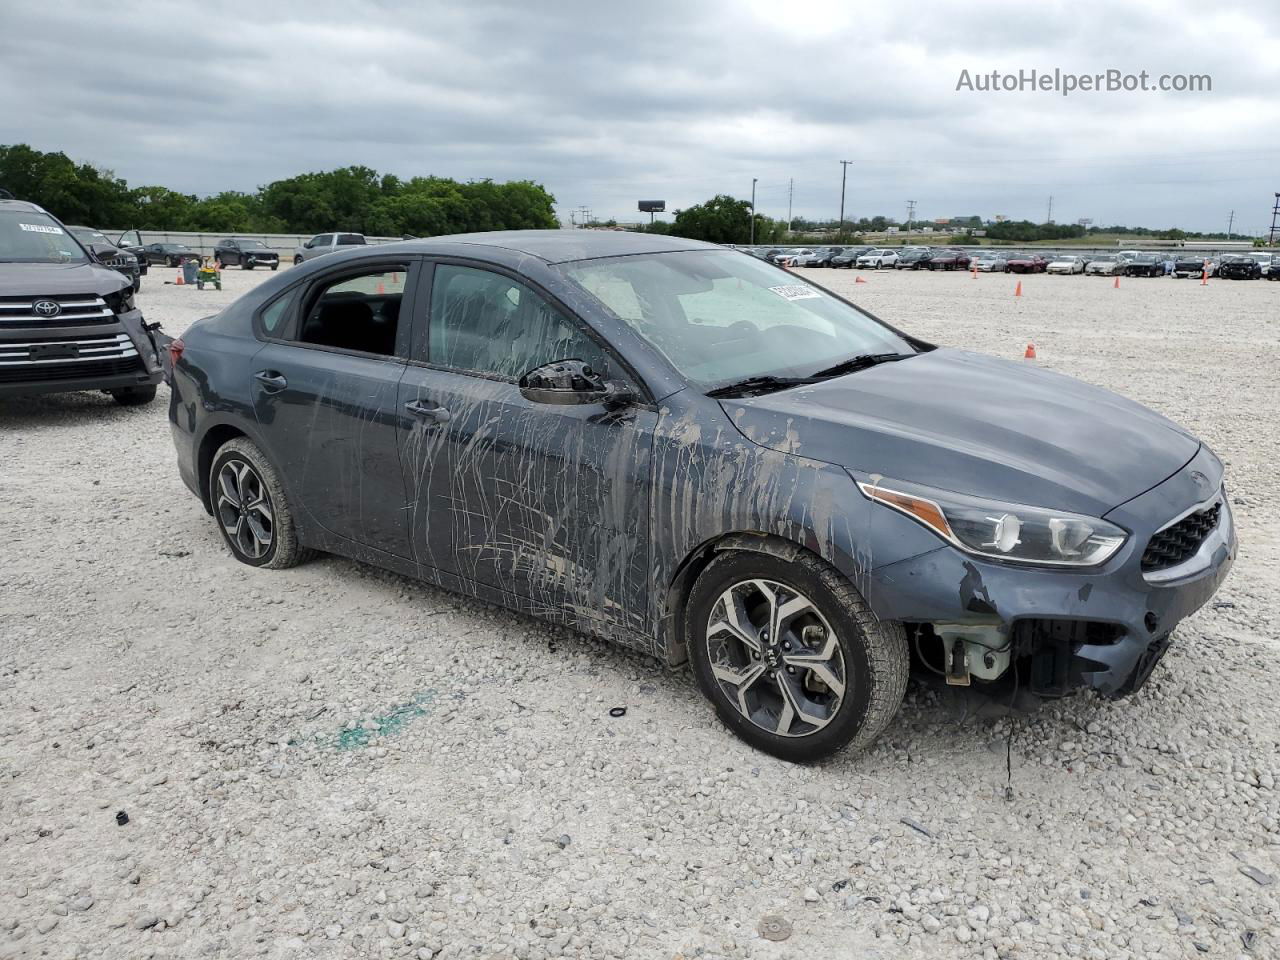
point(244, 509)
point(776, 658)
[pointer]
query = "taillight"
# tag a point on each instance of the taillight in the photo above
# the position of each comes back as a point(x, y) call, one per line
point(175, 353)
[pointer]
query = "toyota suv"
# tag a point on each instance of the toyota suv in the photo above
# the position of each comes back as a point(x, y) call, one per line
point(67, 321)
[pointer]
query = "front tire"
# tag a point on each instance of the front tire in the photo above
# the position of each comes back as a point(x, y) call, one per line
point(134, 396)
point(831, 675)
point(251, 508)
point(246, 265)
point(296, 261)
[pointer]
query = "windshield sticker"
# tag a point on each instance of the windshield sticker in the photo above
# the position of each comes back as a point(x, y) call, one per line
point(796, 291)
point(39, 228)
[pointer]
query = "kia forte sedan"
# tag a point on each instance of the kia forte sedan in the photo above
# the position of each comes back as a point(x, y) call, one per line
point(699, 455)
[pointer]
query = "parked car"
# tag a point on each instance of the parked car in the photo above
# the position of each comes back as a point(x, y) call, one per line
point(109, 255)
point(1027, 263)
point(875, 259)
point(370, 407)
point(1144, 265)
point(1188, 265)
point(991, 261)
point(169, 254)
point(849, 257)
point(247, 253)
point(1237, 267)
point(1266, 261)
point(323, 243)
point(822, 257)
point(914, 258)
point(1106, 265)
point(947, 260)
point(67, 321)
point(1065, 263)
point(793, 258)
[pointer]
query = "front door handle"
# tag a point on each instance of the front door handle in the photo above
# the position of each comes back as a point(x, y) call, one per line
point(426, 412)
point(272, 381)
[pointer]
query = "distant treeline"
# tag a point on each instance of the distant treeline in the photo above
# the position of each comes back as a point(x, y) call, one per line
point(357, 199)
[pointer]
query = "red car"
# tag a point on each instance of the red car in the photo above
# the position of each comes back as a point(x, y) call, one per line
point(948, 260)
point(1027, 263)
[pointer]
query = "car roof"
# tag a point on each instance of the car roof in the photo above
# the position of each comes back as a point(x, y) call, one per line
point(563, 246)
point(21, 206)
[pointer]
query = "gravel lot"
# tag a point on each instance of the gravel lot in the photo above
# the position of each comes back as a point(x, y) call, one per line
point(332, 761)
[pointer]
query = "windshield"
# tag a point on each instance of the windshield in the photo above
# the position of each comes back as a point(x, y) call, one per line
point(720, 319)
point(36, 238)
point(252, 244)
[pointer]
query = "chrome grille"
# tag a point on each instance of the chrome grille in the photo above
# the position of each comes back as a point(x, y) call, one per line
point(42, 351)
point(76, 308)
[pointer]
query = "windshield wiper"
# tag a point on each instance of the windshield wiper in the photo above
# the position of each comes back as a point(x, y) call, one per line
point(860, 362)
point(759, 385)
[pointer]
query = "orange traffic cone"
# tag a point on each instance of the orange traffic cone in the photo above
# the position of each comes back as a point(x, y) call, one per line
point(975, 273)
point(858, 280)
point(1117, 283)
point(1017, 291)
point(1204, 278)
point(180, 282)
point(1031, 352)
point(381, 288)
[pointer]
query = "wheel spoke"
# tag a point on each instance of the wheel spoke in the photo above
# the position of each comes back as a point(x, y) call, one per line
point(735, 621)
point(741, 680)
point(797, 704)
point(229, 484)
point(788, 611)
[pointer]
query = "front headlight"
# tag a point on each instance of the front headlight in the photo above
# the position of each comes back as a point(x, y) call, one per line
point(1004, 531)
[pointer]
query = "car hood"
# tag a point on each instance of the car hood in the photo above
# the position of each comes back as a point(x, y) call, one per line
point(975, 424)
point(51, 279)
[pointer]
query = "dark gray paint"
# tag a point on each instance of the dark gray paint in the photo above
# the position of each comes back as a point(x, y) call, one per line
point(595, 518)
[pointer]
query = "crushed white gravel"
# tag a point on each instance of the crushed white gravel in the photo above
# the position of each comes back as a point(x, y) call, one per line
point(333, 761)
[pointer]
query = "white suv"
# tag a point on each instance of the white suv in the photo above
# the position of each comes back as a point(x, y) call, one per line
point(323, 243)
point(878, 259)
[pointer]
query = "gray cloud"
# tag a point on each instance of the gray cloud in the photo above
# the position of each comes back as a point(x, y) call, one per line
point(608, 104)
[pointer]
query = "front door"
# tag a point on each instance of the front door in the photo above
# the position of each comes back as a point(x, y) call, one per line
point(545, 506)
point(325, 391)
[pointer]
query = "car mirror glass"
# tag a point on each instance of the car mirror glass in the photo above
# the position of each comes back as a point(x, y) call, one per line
point(572, 382)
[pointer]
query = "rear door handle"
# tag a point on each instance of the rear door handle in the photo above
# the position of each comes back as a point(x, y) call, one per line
point(271, 380)
point(425, 412)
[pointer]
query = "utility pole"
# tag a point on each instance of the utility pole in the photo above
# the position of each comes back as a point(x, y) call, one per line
point(753, 210)
point(911, 214)
point(791, 186)
point(844, 170)
point(1049, 217)
point(1275, 212)
point(1230, 223)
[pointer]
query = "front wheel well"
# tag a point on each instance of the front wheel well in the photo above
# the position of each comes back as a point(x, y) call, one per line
point(209, 446)
point(672, 638)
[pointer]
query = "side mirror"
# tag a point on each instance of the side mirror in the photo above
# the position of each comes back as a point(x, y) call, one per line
point(569, 383)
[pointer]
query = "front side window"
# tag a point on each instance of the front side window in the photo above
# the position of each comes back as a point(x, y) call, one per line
point(720, 318)
point(356, 312)
point(320, 241)
point(487, 323)
point(36, 238)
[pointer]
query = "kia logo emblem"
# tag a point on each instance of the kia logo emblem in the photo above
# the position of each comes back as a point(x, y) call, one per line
point(1200, 479)
point(46, 308)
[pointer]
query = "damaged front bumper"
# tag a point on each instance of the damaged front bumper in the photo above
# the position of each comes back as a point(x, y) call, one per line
point(1103, 628)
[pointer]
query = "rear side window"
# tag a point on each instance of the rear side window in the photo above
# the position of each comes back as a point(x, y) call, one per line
point(274, 316)
point(356, 312)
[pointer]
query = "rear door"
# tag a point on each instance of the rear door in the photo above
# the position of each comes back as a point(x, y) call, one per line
point(546, 505)
point(325, 394)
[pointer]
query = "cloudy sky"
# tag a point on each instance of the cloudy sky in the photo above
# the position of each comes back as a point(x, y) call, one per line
point(608, 103)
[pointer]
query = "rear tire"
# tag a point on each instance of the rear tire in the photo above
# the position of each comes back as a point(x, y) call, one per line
point(134, 396)
point(832, 680)
point(251, 508)
point(296, 261)
point(246, 265)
